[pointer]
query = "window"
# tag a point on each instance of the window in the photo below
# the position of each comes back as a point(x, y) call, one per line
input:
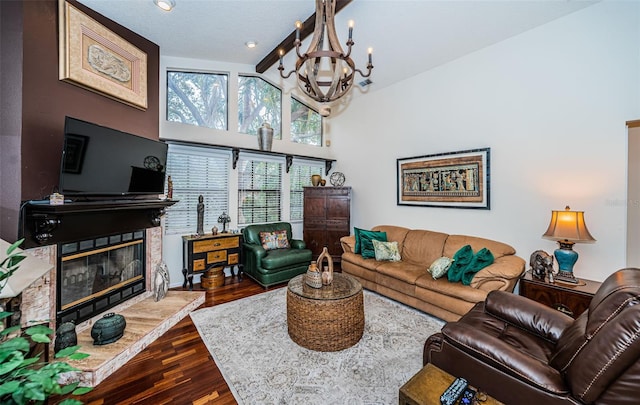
point(197, 171)
point(306, 124)
point(299, 177)
point(197, 99)
point(258, 102)
point(259, 190)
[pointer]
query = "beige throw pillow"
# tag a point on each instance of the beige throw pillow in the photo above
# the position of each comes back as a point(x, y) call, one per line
point(439, 267)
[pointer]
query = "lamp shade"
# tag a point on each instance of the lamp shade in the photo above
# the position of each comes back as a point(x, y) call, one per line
point(31, 268)
point(569, 226)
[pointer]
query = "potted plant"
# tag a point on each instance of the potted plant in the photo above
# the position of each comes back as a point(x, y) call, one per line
point(25, 378)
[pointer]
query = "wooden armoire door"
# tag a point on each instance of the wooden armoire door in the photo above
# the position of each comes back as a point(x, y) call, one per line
point(327, 218)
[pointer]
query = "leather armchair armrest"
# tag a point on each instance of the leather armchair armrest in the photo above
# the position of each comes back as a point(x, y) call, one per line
point(527, 314)
point(504, 357)
point(297, 244)
point(348, 243)
point(256, 250)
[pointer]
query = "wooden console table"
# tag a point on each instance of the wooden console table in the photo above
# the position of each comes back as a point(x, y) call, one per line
point(203, 253)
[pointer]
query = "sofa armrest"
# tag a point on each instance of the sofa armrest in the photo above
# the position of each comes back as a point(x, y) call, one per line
point(503, 356)
point(527, 314)
point(255, 250)
point(297, 244)
point(503, 274)
point(348, 243)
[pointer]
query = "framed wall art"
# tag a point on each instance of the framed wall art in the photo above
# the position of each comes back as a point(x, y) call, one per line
point(456, 179)
point(94, 57)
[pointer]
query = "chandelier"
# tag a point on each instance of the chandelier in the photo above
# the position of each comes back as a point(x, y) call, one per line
point(325, 73)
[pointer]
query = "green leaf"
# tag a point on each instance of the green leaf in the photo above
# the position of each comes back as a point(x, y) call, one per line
point(14, 246)
point(5, 314)
point(82, 390)
point(68, 388)
point(70, 402)
point(9, 387)
point(34, 392)
point(78, 356)
point(67, 351)
point(10, 330)
point(16, 343)
point(40, 338)
point(38, 330)
point(11, 363)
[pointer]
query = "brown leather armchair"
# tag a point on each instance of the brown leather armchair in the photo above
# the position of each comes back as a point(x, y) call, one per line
point(522, 352)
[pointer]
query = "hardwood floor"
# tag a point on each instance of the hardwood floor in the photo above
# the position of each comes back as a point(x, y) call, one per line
point(177, 368)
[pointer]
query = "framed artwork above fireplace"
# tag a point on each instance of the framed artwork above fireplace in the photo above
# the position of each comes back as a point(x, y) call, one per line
point(96, 58)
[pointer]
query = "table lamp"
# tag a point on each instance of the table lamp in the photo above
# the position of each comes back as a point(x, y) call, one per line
point(224, 219)
point(567, 227)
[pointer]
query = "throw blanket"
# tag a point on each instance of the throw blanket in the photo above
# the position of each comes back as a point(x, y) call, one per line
point(465, 264)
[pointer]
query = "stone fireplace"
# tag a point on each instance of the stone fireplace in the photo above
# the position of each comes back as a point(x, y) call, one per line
point(105, 256)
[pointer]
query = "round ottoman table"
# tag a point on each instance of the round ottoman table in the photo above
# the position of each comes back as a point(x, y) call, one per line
point(325, 319)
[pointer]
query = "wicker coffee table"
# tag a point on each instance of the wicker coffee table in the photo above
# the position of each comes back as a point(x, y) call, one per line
point(325, 319)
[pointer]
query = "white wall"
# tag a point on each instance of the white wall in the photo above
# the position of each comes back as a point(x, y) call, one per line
point(551, 104)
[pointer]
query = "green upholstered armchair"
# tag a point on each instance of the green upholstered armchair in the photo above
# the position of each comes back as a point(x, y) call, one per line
point(269, 267)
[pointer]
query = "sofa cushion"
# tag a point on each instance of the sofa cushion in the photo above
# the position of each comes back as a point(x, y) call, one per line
point(394, 233)
point(386, 251)
point(423, 247)
point(279, 258)
point(445, 287)
point(403, 271)
point(274, 240)
point(455, 242)
point(440, 267)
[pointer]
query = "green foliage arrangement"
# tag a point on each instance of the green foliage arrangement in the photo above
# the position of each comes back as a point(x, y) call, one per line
point(24, 379)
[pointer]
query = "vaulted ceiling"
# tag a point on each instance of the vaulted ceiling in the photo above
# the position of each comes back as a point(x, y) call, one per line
point(407, 37)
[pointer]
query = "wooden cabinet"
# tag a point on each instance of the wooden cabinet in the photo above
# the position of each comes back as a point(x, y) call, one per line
point(202, 253)
point(572, 299)
point(327, 218)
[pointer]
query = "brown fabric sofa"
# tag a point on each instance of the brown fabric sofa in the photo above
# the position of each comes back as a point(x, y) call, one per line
point(408, 281)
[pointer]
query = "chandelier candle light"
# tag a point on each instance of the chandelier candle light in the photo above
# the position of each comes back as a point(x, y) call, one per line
point(325, 74)
point(567, 227)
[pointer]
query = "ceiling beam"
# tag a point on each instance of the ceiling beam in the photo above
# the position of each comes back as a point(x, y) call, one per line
point(287, 44)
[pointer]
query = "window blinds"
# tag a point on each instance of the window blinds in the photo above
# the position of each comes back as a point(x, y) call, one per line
point(259, 190)
point(197, 171)
point(299, 177)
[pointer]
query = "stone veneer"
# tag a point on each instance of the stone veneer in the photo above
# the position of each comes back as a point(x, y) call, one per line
point(146, 319)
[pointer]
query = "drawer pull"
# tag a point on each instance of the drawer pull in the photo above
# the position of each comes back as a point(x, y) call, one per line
point(217, 244)
point(564, 309)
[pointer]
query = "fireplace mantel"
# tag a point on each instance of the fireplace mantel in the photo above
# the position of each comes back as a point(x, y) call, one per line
point(45, 224)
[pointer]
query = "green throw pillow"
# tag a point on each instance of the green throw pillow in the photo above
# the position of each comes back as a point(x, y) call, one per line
point(440, 266)
point(366, 246)
point(461, 260)
point(386, 251)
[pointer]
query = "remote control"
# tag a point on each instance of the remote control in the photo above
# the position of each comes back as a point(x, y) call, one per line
point(453, 392)
point(467, 396)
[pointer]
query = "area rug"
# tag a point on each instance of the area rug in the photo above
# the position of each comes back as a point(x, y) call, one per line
point(249, 342)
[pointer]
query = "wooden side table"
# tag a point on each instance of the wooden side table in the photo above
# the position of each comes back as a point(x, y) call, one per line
point(427, 385)
point(210, 253)
point(572, 299)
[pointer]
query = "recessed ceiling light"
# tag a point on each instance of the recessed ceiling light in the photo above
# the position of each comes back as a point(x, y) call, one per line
point(251, 44)
point(166, 5)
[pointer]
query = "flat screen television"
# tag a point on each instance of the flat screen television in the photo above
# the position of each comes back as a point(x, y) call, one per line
point(101, 161)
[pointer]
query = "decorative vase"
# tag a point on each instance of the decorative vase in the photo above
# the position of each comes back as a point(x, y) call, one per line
point(313, 278)
point(323, 182)
point(316, 179)
point(65, 336)
point(265, 137)
point(108, 329)
point(327, 273)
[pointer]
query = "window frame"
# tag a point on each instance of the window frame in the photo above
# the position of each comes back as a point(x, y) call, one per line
point(277, 129)
point(257, 157)
point(291, 122)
